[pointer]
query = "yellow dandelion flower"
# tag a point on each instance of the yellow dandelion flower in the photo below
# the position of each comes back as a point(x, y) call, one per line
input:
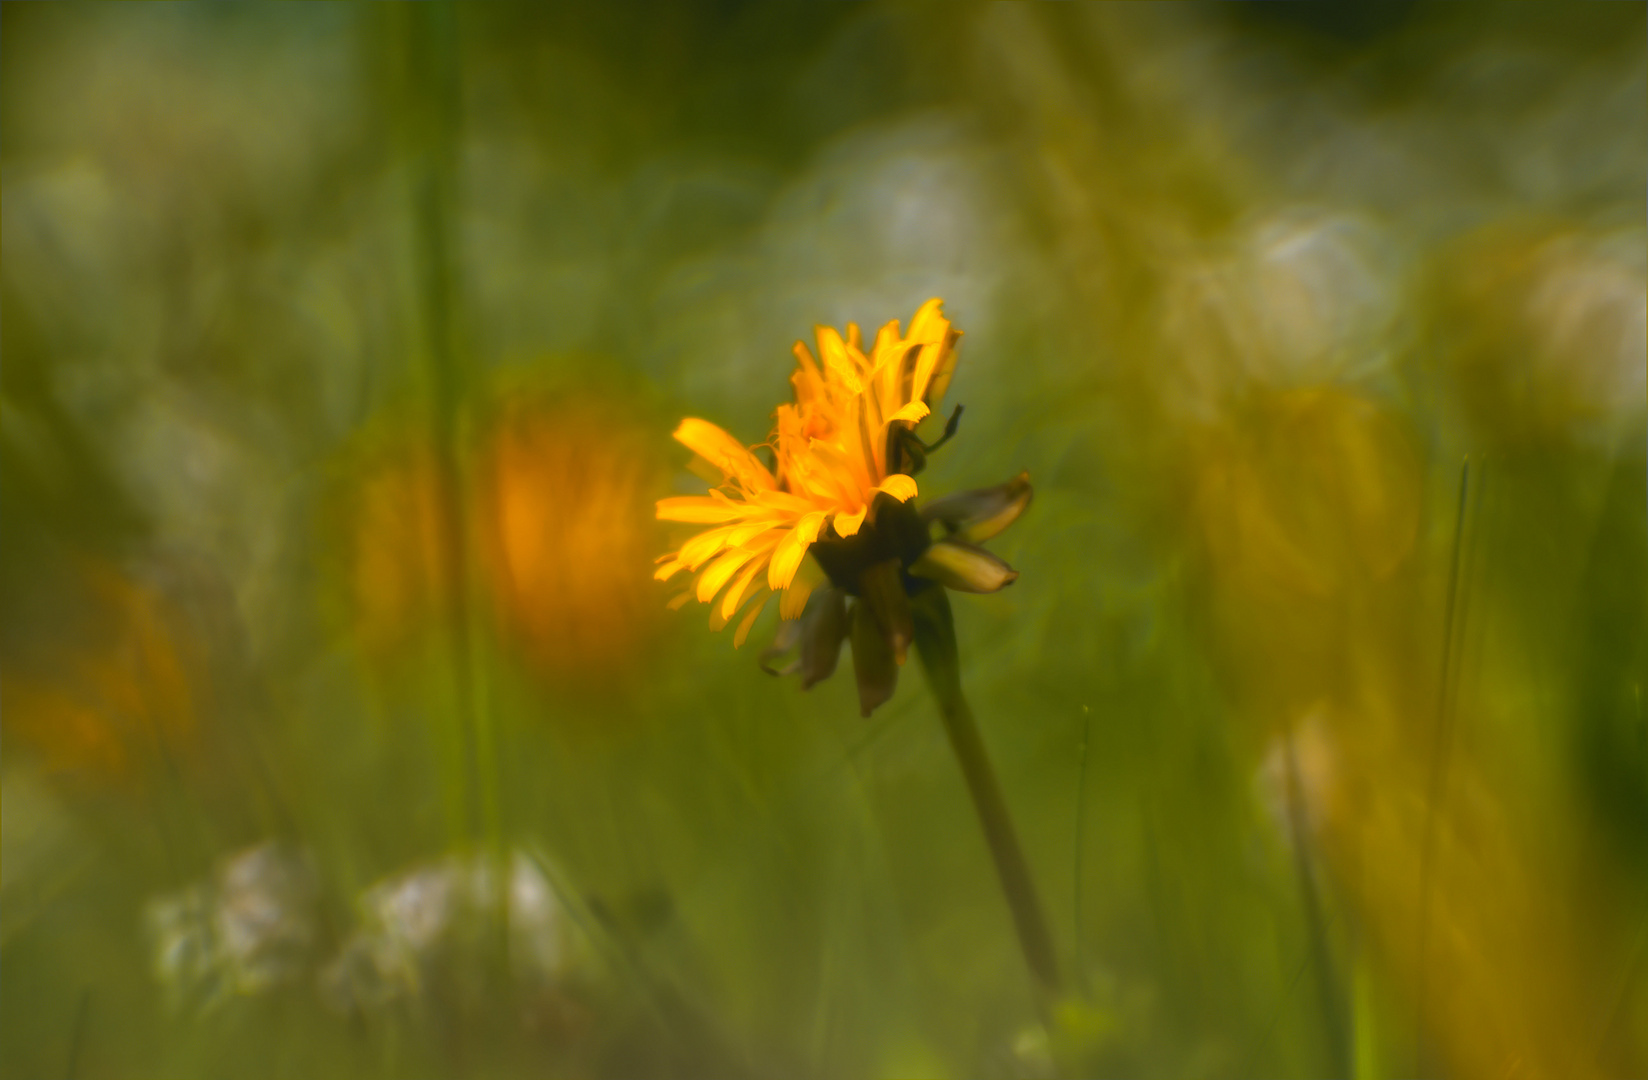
point(840, 488)
point(831, 523)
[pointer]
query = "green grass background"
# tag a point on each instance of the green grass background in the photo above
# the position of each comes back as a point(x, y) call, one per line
point(1244, 287)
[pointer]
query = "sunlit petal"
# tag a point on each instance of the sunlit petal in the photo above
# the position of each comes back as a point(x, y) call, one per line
point(741, 590)
point(743, 630)
point(899, 486)
point(792, 549)
point(848, 524)
point(720, 572)
point(808, 576)
point(913, 413)
point(724, 452)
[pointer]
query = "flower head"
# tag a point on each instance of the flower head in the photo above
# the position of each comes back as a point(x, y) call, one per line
point(839, 486)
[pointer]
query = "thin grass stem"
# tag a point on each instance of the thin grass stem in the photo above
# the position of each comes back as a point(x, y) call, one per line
point(1440, 755)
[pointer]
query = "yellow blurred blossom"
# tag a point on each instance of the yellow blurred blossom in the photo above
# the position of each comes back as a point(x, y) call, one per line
point(1308, 490)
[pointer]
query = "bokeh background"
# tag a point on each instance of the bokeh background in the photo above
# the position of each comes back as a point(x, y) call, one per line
point(346, 734)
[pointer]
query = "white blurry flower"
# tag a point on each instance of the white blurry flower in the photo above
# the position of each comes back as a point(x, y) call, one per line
point(1588, 311)
point(537, 939)
point(1299, 298)
point(262, 916)
point(245, 930)
point(414, 909)
point(883, 218)
point(185, 957)
point(1548, 331)
point(410, 921)
point(1297, 776)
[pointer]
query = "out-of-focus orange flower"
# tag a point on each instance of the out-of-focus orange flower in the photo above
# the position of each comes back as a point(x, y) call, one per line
point(114, 706)
point(565, 489)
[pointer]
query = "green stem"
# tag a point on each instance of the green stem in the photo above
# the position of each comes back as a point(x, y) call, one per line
point(936, 645)
point(430, 97)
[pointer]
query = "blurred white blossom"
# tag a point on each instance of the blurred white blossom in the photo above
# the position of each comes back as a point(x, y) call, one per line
point(245, 930)
point(1296, 298)
point(1296, 778)
point(408, 920)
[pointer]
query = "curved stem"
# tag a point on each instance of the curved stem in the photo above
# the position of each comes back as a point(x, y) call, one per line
point(935, 640)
